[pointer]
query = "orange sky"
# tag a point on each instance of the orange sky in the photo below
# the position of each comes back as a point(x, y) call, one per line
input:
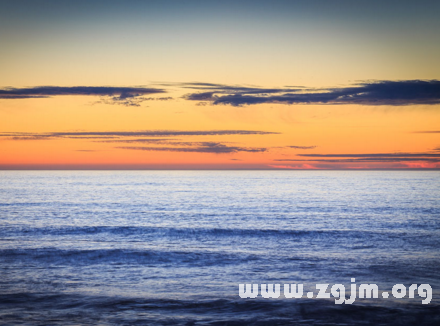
point(252, 118)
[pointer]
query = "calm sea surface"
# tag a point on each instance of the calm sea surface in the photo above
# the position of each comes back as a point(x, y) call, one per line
point(171, 247)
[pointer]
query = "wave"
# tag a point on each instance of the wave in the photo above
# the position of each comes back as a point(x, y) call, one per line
point(180, 231)
point(77, 257)
point(344, 239)
point(69, 309)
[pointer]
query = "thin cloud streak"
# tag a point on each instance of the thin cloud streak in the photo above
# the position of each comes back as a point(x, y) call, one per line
point(302, 147)
point(215, 149)
point(193, 147)
point(373, 155)
point(369, 159)
point(131, 101)
point(139, 140)
point(366, 158)
point(119, 134)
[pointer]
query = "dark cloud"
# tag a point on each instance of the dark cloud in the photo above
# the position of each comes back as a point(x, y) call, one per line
point(396, 93)
point(128, 96)
point(118, 134)
point(302, 147)
point(240, 89)
point(206, 96)
point(50, 91)
point(216, 93)
point(228, 89)
point(427, 132)
point(207, 147)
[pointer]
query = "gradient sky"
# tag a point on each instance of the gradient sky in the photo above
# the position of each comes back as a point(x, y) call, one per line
point(219, 84)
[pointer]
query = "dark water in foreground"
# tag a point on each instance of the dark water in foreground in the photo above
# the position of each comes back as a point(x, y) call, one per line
point(171, 247)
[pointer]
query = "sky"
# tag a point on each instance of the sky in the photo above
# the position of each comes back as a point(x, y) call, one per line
point(220, 84)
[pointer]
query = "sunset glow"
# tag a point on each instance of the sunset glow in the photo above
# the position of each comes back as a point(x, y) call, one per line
point(149, 86)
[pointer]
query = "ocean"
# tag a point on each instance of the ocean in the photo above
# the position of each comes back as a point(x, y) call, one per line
point(172, 247)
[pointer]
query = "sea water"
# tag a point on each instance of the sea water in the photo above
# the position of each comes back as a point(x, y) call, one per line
point(172, 247)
